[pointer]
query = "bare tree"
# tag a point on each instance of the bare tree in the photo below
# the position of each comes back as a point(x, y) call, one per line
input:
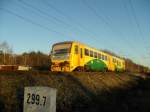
point(5, 53)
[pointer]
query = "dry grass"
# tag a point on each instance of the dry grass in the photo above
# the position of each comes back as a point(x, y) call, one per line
point(77, 92)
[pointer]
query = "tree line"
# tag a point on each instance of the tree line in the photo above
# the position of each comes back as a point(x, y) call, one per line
point(32, 59)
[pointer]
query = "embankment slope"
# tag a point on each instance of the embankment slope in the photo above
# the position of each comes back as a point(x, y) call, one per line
point(78, 91)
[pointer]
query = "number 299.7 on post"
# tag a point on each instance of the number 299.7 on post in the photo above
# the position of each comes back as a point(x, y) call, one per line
point(39, 99)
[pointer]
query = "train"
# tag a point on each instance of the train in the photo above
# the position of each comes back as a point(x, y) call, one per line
point(71, 56)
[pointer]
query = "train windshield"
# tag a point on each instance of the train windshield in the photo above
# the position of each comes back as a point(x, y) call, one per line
point(61, 49)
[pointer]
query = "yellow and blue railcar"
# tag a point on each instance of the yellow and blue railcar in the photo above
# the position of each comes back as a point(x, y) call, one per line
point(70, 55)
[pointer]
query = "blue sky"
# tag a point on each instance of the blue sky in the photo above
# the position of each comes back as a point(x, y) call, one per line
point(121, 26)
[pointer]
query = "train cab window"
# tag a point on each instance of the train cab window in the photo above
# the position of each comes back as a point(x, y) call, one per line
point(99, 56)
point(95, 54)
point(102, 57)
point(91, 53)
point(86, 51)
point(76, 49)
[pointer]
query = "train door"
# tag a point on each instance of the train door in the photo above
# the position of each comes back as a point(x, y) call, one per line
point(111, 64)
point(76, 56)
point(81, 56)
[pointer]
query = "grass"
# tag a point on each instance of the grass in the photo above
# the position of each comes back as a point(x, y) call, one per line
point(76, 92)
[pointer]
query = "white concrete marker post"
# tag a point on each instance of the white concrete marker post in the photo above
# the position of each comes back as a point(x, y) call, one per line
point(39, 99)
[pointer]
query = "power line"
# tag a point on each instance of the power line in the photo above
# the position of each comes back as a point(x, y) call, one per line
point(95, 12)
point(44, 13)
point(104, 18)
point(48, 15)
point(34, 12)
point(106, 22)
point(136, 20)
point(66, 16)
point(32, 22)
point(71, 19)
point(100, 17)
point(126, 8)
point(137, 25)
point(25, 7)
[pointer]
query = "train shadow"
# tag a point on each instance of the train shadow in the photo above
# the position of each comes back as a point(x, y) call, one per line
point(135, 99)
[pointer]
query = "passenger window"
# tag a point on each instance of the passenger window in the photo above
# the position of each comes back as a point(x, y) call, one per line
point(99, 56)
point(114, 60)
point(102, 57)
point(95, 54)
point(91, 53)
point(86, 51)
point(76, 49)
point(117, 62)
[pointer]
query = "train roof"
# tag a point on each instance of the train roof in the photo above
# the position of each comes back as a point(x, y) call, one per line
point(64, 42)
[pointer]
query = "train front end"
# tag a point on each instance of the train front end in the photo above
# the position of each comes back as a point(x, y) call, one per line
point(61, 57)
